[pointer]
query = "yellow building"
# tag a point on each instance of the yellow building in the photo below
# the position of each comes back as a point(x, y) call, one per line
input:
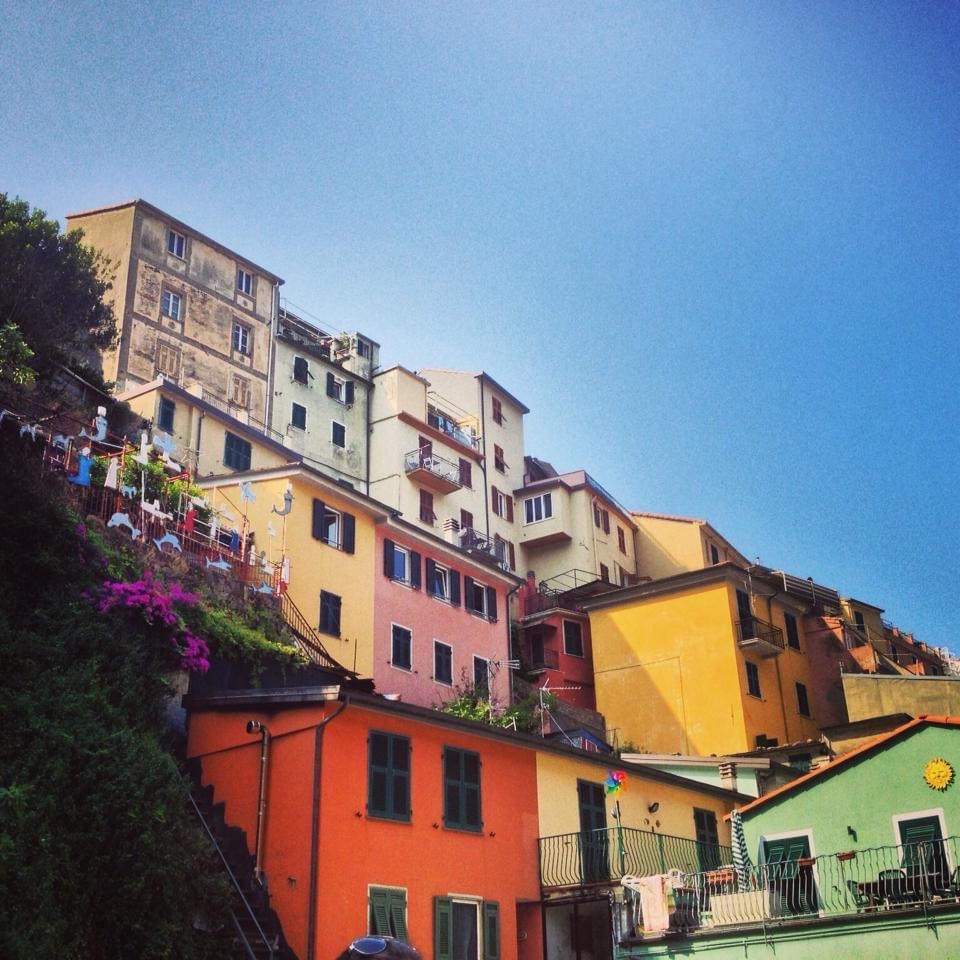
point(708, 661)
point(667, 545)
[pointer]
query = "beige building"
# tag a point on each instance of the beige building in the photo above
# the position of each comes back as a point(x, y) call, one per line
point(446, 449)
point(667, 545)
point(321, 394)
point(573, 531)
point(187, 307)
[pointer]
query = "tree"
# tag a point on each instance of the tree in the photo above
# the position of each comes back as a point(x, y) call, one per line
point(52, 311)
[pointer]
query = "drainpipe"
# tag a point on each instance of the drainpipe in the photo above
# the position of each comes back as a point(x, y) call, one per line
point(255, 726)
point(483, 462)
point(315, 828)
point(272, 355)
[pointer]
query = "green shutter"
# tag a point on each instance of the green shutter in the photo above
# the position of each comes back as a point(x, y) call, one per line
point(442, 928)
point(379, 910)
point(398, 915)
point(491, 930)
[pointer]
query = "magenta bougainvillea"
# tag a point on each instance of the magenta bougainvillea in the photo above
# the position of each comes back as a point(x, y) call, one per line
point(157, 602)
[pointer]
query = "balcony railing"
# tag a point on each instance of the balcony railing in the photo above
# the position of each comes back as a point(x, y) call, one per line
point(448, 425)
point(763, 638)
point(849, 883)
point(604, 856)
point(482, 547)
point(432, 470)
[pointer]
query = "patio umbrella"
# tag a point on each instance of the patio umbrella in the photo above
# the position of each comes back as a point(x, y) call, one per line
point(741, 858)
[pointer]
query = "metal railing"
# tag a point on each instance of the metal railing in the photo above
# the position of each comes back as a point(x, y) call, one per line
point(482, 546)
point(241, 415)
point(753, 628)
point(847, 883)
point(447, 424)
point(604, 856)
point(308, 639)
point(424, 459)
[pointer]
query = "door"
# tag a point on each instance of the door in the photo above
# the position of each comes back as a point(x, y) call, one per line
point(744, 615)
point(924, 855)
point(708, 840)
point(593, 832)
point(790, 875)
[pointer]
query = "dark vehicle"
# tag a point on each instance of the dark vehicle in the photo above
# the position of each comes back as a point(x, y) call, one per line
point(384, 948)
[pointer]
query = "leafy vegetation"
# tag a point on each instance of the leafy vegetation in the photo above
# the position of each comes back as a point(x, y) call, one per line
point(472, 703)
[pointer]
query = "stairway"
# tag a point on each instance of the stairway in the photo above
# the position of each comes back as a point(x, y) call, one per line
point(256, 933)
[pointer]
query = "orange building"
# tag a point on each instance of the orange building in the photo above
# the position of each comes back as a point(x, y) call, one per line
point(379, 816)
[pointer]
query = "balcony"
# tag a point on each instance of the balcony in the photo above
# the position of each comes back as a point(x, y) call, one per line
point(458, 430)
point(603, 856)
point(429, 470)
point(872, 883)
point(759, 637)
point(481, 547)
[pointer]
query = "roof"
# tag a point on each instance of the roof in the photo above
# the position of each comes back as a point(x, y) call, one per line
point(666, 516)
point(575, 480)
point(156, 211)
point(825, 770)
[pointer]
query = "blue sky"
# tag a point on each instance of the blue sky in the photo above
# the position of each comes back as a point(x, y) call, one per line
point(713, 246)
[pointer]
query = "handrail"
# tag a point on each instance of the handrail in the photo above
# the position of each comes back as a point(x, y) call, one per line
point(239, 890)
point(306, 636)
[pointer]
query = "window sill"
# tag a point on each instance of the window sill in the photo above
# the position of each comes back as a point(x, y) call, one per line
point(463, 828)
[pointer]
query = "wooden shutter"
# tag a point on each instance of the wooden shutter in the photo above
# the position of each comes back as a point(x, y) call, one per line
point(380, 908)
point(491, 603)
point(349, 532)
point(466, 478)
point(468, 593)
point(431, 572)
point(388, 558)
point(491, 930)
point(318, 512)
point(331, 385)
point(414, 569)
point(494, 500)
point(454, 588)
point(348, 392)
point(513, 555)
point(509, 502)
point(398, 916)
point(442, 928)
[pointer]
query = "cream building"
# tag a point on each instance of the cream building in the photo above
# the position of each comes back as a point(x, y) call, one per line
point(667, 545)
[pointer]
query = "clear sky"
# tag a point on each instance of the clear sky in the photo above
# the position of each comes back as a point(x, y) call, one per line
point(714, 247)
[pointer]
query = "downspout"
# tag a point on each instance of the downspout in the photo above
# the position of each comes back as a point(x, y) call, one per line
point(506, 602)
point(783, 703)
point(370, 389)
point(256, 726)
point(483, 466)
point(274, 320)
point(315, 828)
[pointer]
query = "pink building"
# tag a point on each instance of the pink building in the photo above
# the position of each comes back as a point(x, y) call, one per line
point(441, 619)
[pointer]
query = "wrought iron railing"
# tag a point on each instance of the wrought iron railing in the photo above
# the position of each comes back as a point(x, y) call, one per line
point(847, 883)
point(753, 628)
point(482, 546)
point(424, 459)
point(604, 856)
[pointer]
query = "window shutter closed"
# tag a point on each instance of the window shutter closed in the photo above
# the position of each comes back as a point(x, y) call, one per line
point(468, 593)
point(455, 588)
point(414, 569)
point(318, 509)
point(398, 916)
point(509, 502)
point(513, 556)
point(442, 928)
point(335, 603)
point(493, 500)
point(491, 930)
point(379, 904)
point(349, 532)
point(348, 392)
point(331, 385)
point(388, 558)
point(491, 603)
point(431, 571)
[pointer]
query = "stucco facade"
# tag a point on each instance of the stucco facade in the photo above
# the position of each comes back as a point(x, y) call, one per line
point(667, 545)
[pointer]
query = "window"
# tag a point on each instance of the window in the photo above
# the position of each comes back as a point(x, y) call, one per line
point(240, 392)
point(497, 410)
point(481, 677)
point(339, 390)
point(168, 360)
point(334, 527)
point(793, 637)
point(388, 776)
point(466, 520)
point(426, 507)
point(604, 573)
point(298, 416)
point(241, 341)
point(803, 705)
point(466, 473)
point(442, 662)
point(176, 244)
point(171, 304)
point(466, 929)
point(401, 564)
point(538, 508)
point(498, 460)
point(301, 370)
point(621, 540)
point(244, 281)
point(601, 518)
point(165, 411)
point(461, 789)
point(714, 554)
point(479, 599)
point(338, 434)
point(236, 452)
point(363, 349)
point(401, 643)
point(753, 679)
point(920, 837)
point(573, 638)
point(329, 614)
point(388, 913)
point(442, 582)
point(501, 504)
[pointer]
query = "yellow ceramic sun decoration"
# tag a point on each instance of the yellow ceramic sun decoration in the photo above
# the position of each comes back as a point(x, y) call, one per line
point(938, 774)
